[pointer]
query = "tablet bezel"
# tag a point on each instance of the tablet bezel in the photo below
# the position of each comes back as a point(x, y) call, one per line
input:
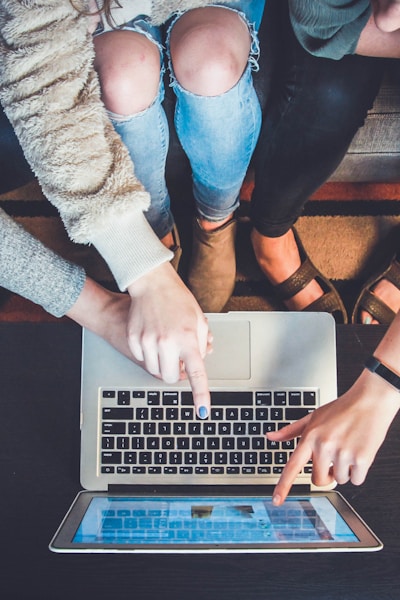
point(62, 541)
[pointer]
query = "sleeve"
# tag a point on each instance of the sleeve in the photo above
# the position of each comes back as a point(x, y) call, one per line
point(50, 93)
point(35, 272)
point(329, 28)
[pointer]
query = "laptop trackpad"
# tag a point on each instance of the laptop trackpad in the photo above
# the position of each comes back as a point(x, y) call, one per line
point(231, 356)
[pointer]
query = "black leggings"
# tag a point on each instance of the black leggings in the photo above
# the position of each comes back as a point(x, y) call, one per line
point(316, 106)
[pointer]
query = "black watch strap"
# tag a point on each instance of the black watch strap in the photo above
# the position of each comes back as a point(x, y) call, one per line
point(375, 366)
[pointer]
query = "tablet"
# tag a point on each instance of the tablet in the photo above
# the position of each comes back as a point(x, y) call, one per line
point(112, 522)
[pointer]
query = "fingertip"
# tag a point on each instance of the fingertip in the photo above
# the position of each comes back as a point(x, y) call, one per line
point(202, 412)
point(276, 499)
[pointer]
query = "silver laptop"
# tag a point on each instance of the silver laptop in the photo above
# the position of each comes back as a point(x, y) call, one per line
point(159, 479)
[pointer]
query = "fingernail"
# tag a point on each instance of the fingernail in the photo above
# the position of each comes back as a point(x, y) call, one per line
point(368, 320)
point(203, 412)
point(276, 499)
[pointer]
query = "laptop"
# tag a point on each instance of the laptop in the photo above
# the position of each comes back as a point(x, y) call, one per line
point(158, 479)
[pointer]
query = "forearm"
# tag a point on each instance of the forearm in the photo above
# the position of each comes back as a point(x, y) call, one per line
point(388, 350)
point(375, 42)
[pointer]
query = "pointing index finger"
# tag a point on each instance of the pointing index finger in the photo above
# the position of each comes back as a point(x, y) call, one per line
point(297, 461)
point(197, 376)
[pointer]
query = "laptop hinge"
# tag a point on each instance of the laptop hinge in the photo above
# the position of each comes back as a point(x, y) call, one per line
point(190, 490)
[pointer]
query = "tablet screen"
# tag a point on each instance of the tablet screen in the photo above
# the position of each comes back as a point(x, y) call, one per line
point(208, 520)
point(213, 522)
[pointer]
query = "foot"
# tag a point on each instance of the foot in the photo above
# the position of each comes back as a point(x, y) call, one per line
point(212, 270)
point(278, 259)
point(389, 294)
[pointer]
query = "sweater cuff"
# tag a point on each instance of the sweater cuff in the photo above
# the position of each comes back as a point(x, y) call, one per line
point(130, 247)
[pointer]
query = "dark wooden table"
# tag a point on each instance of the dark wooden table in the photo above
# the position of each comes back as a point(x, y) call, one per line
point(39, 469)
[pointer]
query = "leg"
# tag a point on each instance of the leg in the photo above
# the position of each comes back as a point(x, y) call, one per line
point(217, 114)
point(217, 119)
point(129, 67)
point(316, 108)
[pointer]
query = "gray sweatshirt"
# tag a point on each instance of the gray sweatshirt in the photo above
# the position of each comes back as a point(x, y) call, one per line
point(33, 271)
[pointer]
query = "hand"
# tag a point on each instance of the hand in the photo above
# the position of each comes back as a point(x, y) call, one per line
point(342, 437)
point(168, 332)
point(106, 314)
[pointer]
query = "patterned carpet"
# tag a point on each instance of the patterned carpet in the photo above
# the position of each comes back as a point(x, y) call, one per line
point(344, 228)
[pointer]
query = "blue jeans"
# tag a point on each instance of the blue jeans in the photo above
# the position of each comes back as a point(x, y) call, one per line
point(217, 133)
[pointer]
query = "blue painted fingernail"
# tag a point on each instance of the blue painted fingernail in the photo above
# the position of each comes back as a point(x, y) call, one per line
point(203, 412)
point(368, 320)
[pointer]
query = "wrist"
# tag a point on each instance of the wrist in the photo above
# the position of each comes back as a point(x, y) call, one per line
point(90, 305)
point(152, 280)
point(382, 370)
point(377, 391)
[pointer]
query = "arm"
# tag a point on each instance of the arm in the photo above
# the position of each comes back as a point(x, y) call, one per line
point(51, 95)
point(381, 35)
point(37, 273)
point(338, 27)
point(334, 436)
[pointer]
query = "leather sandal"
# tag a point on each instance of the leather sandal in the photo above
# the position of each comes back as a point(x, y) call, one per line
point(330, 302)
point(370, 302)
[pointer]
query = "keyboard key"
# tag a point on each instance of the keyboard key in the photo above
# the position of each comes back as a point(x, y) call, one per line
point(295, 398)
point(111, 458)
point(309, 399)
point(124, 398)
point(107, 443)
point(170, 398)
point(115, 414)
point(293, 414)
point(263, 398)
point(280, 399)
point(142, 414)
point(116, 428)
point(153, 398)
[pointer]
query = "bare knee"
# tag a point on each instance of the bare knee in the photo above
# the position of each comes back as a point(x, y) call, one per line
point(128, 65)
point(209, 50)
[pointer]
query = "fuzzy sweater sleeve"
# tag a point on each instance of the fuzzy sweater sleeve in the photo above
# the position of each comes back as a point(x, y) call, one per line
point(50, 93)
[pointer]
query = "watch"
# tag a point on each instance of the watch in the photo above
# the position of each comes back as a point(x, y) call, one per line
point(375, 366)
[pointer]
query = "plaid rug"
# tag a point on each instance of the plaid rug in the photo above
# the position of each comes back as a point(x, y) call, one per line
point(343, 227)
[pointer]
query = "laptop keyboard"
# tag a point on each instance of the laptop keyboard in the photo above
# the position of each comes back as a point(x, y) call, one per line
point(158, 433)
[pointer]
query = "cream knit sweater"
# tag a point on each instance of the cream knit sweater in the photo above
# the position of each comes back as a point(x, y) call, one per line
point(50, 93)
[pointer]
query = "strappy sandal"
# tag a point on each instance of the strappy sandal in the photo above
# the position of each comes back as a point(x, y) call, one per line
point(330, 302)
point(370, 302)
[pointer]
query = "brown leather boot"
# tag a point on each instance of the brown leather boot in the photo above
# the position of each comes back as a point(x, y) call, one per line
point(176, 248)
point(212, 269)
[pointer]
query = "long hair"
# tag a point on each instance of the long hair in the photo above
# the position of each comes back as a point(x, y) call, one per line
point(104, 6)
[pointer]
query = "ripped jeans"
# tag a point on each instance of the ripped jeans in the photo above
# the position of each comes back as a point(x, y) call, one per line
point(217, 133)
